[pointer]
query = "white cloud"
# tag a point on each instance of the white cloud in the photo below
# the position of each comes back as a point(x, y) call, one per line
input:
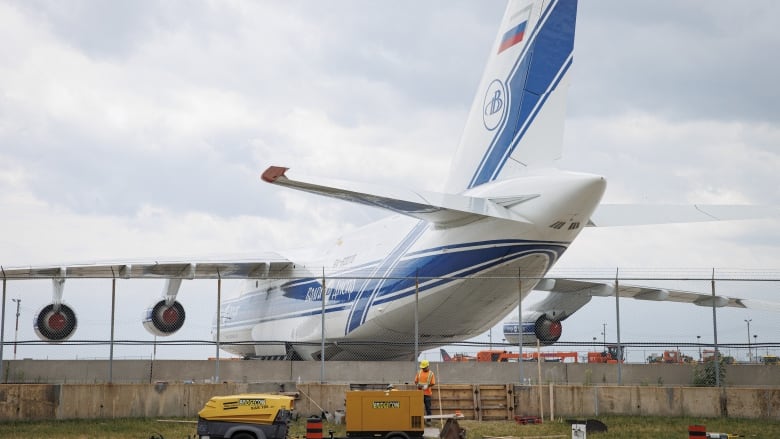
point(649, 158)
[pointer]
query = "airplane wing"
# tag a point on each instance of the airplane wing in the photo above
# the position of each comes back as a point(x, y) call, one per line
point(564, 287)
point(542, 319)
point(440, 208)
point(57, 322)
point(610, 215)
point(266, 265)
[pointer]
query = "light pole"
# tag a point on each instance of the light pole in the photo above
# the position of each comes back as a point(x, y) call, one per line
point(594, 344)
point(16, 331)
point(755, 343)
point(604, 334)
point(698, 342)
point(748, 334)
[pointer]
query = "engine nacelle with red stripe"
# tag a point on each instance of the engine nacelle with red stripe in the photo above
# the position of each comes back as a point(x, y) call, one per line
point(55, 323)
point(547, 331)
point(161, 319)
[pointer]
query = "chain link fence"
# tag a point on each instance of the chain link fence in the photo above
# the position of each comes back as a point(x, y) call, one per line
point(406, 319)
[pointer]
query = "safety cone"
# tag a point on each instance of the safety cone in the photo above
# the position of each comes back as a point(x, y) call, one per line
point(697, 431)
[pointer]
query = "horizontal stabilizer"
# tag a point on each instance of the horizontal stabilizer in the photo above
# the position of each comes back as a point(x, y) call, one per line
point(443, 209)
point(611, 215)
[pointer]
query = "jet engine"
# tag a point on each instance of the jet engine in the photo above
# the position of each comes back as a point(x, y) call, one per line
point(162, 319)
point(544, 329)
point(55, 323)
point(547, 331)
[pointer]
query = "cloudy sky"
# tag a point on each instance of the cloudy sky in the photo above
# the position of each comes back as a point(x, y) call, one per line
point(140, 129)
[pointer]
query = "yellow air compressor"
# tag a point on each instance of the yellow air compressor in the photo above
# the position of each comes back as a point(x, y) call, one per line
point(245, 416)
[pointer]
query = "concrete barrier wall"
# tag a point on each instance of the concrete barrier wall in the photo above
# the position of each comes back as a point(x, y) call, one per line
point(203, 371)
point(285, 372)
point(28, 401)
point(141, 388)
point(81, 401)
point(585, 401)
point(762, 403)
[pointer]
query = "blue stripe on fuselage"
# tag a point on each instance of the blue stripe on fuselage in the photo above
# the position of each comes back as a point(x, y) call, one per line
point(437, 266)
point(362, 304)
point(430, 282)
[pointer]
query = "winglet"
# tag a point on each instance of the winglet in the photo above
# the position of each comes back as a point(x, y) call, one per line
point(273, 173)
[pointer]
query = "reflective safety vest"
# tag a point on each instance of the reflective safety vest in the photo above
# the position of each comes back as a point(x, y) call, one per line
point(424, 377)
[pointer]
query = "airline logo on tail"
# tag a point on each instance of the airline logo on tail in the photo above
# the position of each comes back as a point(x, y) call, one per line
point(494, 105)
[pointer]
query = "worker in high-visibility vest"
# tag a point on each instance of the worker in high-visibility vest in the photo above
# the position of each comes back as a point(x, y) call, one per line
point(425, 381)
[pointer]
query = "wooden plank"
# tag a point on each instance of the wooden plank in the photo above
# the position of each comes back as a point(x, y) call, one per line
point(479, 402)
point(510, 406)
point(477, 408)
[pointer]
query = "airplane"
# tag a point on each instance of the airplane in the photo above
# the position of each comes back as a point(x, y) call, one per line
point(445, 265)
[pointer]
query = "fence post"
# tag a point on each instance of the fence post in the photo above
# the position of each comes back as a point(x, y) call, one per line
point(111, 349)
point(715, 333)
point(322, 329)
point(2, 332)
point(617, 318)
point(219, 325)
point(520, 325)
point(416, 317)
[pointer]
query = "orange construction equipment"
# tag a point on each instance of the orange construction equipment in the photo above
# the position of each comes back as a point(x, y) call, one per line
point(709, 355)
point(505, 356)
point(497, 356)
point(677, 357)
point(551, 356)
point(670, 357)
point(611, 355)
point(456, 358)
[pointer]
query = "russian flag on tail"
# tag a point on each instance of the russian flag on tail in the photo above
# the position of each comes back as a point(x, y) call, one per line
point(512, 37)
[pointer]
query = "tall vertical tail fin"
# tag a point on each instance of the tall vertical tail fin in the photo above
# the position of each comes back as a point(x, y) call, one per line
point(516, 120)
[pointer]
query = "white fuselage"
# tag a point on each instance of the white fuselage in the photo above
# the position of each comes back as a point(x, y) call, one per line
point(458, 280)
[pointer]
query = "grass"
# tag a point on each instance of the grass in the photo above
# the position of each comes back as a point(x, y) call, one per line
point(619, 427)
point(97, 428)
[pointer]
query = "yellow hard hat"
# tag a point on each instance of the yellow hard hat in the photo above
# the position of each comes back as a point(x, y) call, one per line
point(424, 364)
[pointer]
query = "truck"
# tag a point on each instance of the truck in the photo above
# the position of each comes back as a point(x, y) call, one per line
point(670, 357)
point(710, 355)
point(370, 414)
point(770, 359)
